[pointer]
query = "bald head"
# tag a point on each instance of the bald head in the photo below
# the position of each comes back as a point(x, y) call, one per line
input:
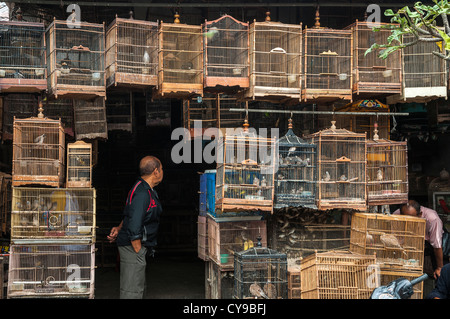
point(148, 164)
point(412, 208)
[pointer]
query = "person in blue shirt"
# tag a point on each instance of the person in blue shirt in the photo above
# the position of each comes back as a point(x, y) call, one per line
point(442, 288)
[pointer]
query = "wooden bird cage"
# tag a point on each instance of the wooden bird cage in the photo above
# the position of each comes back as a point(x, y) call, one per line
point(157, 112)
point(132, 53)
point(38, 152)
point(425, 75)
point(275, 61)
point(41, 215)
point(17, 106)
point(373, 76)
point(260, 273)
point(327, 64)
point(226, 59)
point(79, 164)
point(90, 119)
point(295, 180)
point(396, 240)
point(61, 108)
point(202, 237)
point(22, 57)
point(119, 111)
point(5, 203)
point(294, 282)
point(219, 282)
point(51, 271)
point(245, 172)
point(387, 171)
point(337, 275)
point(387, 276)
point(75, 60)
point(341, 168)
point(180, 59)
point(226, 238)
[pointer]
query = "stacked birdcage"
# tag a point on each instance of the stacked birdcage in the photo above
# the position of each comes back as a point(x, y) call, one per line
point(16, 105)
point(90, 119)
point(157, 112)
point(79, 164)
point(341, 168)
point(295, 180)
point(61, 108)
point(119, 111)
point(132, 53)
point(338, 275)
point(75, 59)
point(22, 57)
point(199, 114)
point(275, 60)
point(202, 237)
point(5, 203)
point(226, 53)
point(260, 273)
point(180, 58)
point(219, 282)
point(294, 282)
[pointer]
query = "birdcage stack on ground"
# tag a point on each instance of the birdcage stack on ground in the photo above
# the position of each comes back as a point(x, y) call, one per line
point(396, 240)
point(132, 53)
point(75, 59)
point(180, 58)
point(295, 180)
point(38, 152)
point(294, 282)
point(119, 111)
point(51, 271)
point(275, 61)
point(90, 119)
point(5, 203)
point(219, 282)
point(227, 236)
point(226, 57)
point(202, 237)
point(338, 275)
point(387, 171)
point(79, 164)
point(260, 273)
point(245, 172)
point(22, 57)
point(373, 76)
point(327, 64)
point(17, 106)
point(341, 168)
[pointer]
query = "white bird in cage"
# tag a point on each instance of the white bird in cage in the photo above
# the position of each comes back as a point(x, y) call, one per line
point(327, 177)
point(263, 182)
point(35, 205)
point(40, 139)
point(343, 178)
point(257, 291)
point(291, 150)
point(379, 175)
point(256, 181)
point(369, 238)
point(146, 57)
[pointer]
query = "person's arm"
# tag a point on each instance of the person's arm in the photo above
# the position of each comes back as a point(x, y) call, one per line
point(114, 232)
point(137, 245)
point(137, 209)
point(439, 261)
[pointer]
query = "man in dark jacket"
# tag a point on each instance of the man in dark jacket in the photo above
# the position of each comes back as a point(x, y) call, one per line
point(136, 234)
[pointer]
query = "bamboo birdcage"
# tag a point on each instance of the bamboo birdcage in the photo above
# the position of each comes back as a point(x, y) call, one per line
point(22, 57)
point(226, 57)
point(338, 275)
point(132, 53)
point(341, 168)
point(17, 106)
point(90, 119)
point(397, 240)
point(51, 271)
point(65, 215)
point(387, 276)
point(295, 180)
point(180, 58)
point(219, 282)
point(75, 59)
point(372, 75)
point(327, 64)
point(275, 60)
point(61, 108)
point(5, 203)
point(245, 172)
point(79, 164)
point(202, 237)
point(38, 151)
point(119, 111)
point(294, 282)
point(227, 237)
point(260, 273)
point(387, 171)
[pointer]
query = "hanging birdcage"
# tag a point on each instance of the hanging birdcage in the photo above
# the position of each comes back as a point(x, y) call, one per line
point(226, 53)
point(22, 57)
point(374, 76)
point(75, 59)
point(17, 106)
point(51, 271)
point(90, 119)
point(79, 164)
point(180, 59)
point(295, 180)
point(157, 112)
point(341, 168)
point(260, 273)
point(327, 64)
point(119, 111)
point(275, 60)
point(132, 53)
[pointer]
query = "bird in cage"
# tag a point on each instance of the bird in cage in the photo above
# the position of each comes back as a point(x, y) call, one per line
point(343, 178)
point(263, 182)
point(187, 66)
point(211, 33)
point(379, 175)
point(390, 241)
point(18, 75)
point(291, 150)
point(35, 206)
point(270, 290)
point(257, 291)
point(369, 238)
point(40, 139)
point(146, 57)
point(256, 181)
point(327, 177)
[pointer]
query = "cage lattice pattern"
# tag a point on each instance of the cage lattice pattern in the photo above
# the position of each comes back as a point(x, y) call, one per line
point(22, 56)
point(397, 240)
point(63, 109)
point(76, 59)
point(44, 214)
point(260, 273)
point(226, 52)
point(294, 283)
point(119, 111)
point(202, 238)
point(17, 106)
point(79, 164)
point(132, 53)
point(337, 275)
point(219, 282)
point(90, 119)
point(387, 276)
point(158, 112)
point(55, 271)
